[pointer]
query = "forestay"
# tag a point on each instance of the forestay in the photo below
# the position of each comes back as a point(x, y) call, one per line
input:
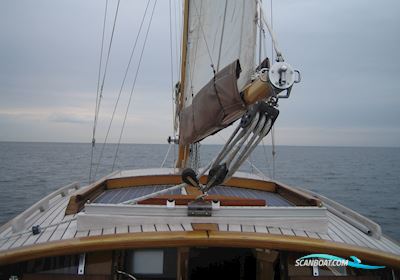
point(219, 32)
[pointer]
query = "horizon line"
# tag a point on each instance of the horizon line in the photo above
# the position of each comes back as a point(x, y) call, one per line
point(206, 144)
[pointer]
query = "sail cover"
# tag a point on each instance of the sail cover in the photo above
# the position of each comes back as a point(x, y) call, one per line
point(220, 32)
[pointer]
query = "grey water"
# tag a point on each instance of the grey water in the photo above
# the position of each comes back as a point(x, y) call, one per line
point(366, 179)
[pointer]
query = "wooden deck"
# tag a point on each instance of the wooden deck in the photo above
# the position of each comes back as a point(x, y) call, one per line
point(58, 226)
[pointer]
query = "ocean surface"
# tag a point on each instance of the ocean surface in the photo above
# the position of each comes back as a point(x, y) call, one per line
point(364, 179)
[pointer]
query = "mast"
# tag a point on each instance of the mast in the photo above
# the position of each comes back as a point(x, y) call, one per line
point(183, 151)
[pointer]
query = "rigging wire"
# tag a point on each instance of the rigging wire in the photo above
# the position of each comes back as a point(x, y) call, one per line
point(222, 35)
point(100, 94)
point(97, 91)
point(273, 127)
point(122, 86)
point(134, 84)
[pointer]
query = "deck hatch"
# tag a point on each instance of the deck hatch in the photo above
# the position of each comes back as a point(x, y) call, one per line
point(115, 196)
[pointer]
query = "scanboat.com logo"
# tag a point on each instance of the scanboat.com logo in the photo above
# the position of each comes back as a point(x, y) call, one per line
point(330, 260)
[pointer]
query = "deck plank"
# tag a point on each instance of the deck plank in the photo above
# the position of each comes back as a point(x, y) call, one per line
point(59, 232)
point(8, 243)
point(338, 232)
point(95, 232)
point(176, 227)
point(274, 230)
point(247, 228)
point(325, 236)
point(70, 231)
point(287, 231)
point(107, 231)
point(21, 240)
point(298, 232)
point(31, 240)
point(162, 227)
point(187, 226)
point(234, 227)
point(45, 235)
point(261, 229)
point(313, 235)
point(82, 233)
point(148, 228)
point(135, 228)
point(395, 247)
point(223, 227)
point(122, 229)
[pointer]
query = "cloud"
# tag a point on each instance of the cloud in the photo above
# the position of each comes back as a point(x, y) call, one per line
point(67, 118)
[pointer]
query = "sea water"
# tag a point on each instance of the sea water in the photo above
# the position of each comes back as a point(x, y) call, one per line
point(364, 179)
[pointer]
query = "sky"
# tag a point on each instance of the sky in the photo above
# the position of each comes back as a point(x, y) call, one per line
point(346, 50)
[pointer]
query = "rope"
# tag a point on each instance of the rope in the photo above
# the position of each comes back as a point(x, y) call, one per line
point(133, 85)
point(121, 88)
point(97, 92)
point(166, 155)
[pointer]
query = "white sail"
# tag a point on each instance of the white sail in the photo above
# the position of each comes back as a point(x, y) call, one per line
point(219, 32)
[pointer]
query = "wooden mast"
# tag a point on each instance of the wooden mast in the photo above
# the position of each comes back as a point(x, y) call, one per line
point(183, 152)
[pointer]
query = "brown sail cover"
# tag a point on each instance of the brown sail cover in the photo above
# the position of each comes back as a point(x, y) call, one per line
point(214, 107)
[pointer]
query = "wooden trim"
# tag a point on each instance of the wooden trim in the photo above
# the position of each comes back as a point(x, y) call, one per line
point(246, 183)
point(148, 180)
point(181, 199)
point(78, 200)
point(251, 184)
point(197, 238)
point(182, 263)
point(296, 196)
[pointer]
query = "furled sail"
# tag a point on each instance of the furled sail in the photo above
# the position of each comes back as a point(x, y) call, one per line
point(219, 33)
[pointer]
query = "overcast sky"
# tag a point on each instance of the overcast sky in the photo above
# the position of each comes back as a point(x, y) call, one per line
point(347, 51)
